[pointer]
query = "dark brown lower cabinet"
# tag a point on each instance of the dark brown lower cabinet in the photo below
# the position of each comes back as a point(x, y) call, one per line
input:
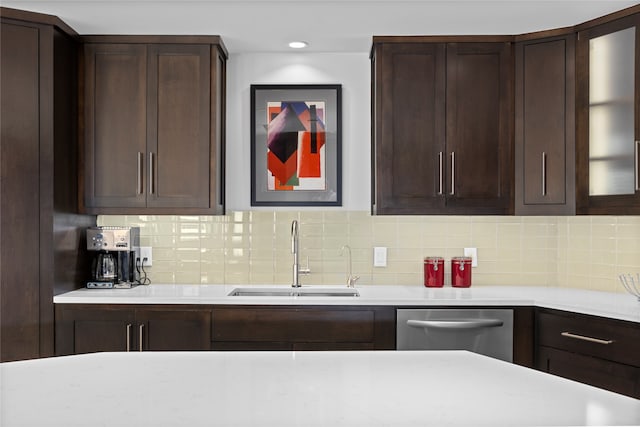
point(617, 377)
point(87, 328)
point(601, 352)
point(593, 350)
point(303, 328)
point(93, 328)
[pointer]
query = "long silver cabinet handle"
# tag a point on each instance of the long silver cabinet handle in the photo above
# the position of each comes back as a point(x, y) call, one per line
point(636, 163)
point(456, 324)
point(129, 337)
point(140, 336)
point(453, 173)
point(151, 173)
point(544, 173)
point(585, 338)
point(441, 173)
point(139, 183)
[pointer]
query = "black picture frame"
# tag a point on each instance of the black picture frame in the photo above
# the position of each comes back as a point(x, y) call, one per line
point(274, 130)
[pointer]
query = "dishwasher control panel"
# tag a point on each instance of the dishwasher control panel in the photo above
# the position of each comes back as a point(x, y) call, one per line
point(483, 331)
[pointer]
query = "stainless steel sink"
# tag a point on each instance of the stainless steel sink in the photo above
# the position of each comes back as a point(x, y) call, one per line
point(266, 292)
point(335, 292)
point(294, 292)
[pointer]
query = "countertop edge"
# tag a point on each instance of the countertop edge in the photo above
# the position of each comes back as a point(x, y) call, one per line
point(596, 303)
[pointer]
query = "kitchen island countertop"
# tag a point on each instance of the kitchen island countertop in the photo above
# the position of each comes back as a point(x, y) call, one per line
point(620, 306)
point(367, 388)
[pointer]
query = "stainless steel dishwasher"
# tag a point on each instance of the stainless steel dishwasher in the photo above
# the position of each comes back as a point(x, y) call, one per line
point(484, 331)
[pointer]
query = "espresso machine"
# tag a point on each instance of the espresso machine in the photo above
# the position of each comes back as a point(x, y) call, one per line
point(113, 257)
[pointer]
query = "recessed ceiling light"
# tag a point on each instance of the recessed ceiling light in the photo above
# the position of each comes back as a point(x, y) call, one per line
point(298, 45)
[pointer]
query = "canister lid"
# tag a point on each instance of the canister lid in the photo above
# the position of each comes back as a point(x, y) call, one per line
point(431, 259)
point(461, 259)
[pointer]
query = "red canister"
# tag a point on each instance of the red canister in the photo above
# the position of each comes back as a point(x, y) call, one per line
point(434, 272)
point(461, 272)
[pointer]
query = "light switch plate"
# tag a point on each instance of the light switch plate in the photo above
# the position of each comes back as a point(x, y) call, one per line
point(379, 256)
point(473, 253)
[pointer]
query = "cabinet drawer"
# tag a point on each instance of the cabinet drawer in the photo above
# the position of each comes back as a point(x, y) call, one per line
point(608, 339)
point(608, 375)
point(293, 325)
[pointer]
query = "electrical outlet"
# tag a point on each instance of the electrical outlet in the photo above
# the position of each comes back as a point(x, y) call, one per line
point(473, 253)
point(146, 252)
point(379, 256)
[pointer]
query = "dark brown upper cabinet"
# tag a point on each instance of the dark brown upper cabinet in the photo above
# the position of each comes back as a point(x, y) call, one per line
point(545, 126)
point(152, 125)
point(608, 117)
point(442, 124)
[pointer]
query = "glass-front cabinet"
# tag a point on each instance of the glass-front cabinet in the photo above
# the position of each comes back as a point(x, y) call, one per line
point(608, 142)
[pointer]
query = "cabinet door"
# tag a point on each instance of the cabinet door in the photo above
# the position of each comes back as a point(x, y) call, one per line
point(609, 118)
point(177, 329)
point(91, 328)
point(179, 99)
point(479, 116)
point(88, 329)
point(545, 126)
point(20, 143)
point(218, 123)
point(115, 114)
point(409, 136)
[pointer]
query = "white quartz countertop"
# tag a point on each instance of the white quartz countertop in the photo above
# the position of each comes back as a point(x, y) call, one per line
point(613, 305)
point(364, 388)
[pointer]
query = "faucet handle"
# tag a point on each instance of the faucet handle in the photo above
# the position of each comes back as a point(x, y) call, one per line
point(306, 269)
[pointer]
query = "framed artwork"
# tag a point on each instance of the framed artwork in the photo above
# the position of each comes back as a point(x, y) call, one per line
point(296, 146)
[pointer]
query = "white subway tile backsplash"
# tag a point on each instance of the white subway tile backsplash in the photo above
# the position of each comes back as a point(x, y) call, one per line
point(255, 247)
point(163, 277)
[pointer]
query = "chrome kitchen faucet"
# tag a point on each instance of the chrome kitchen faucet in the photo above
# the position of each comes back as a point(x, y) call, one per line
point(351, 279)
point(297, 271)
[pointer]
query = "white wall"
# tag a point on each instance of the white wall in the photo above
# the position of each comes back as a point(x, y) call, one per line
point(351, 70)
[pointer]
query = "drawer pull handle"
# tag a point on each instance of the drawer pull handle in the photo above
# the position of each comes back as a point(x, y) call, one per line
point(140, 336)
point(583, 338)
point(129, 337)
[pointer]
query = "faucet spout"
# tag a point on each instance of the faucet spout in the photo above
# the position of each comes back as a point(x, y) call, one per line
point(294, 237)
point(297, 271)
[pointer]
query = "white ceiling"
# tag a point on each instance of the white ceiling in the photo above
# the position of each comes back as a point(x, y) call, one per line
point(329, 26)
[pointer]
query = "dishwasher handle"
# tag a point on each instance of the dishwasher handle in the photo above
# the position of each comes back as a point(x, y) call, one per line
point(456, 323)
